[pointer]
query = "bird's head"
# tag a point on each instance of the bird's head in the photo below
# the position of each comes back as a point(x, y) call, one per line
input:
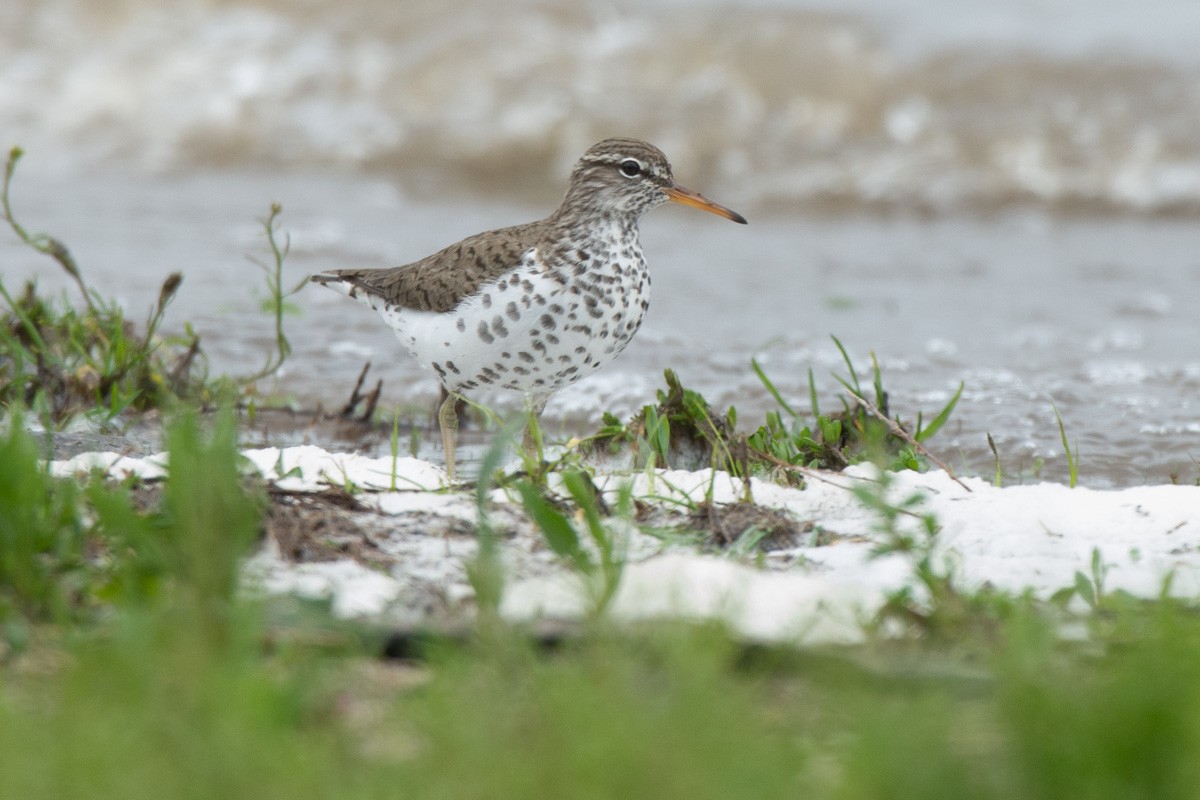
point(629, 176)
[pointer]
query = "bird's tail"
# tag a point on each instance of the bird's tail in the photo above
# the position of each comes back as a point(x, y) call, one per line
point(347, 282)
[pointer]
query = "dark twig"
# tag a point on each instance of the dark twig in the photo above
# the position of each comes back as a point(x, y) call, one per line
point(896, 430)
point(357, 397)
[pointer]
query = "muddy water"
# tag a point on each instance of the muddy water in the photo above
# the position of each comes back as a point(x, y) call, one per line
point(1095, 315)
point(1006, 195)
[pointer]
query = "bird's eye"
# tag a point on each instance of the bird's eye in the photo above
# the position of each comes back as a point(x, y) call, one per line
point(631, 168)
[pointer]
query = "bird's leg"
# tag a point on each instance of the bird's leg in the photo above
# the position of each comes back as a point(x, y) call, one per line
point(448, 422)
point(533, 431)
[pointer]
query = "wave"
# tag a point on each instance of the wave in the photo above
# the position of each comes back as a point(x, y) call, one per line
point(765, 106)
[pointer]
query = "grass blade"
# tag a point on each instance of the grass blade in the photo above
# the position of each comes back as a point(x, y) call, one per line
point(937, 422)
point(554, 525)
point(849, 366)
point(766, 382)
point(1072, 456)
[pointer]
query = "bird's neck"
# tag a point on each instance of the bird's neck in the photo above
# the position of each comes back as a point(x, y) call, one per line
point(609, 229)
point(583, 219)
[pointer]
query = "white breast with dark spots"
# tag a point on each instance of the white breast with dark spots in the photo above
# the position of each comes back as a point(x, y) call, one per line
point(536, 329)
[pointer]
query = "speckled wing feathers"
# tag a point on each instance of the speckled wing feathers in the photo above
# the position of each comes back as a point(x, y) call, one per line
point(439, 282)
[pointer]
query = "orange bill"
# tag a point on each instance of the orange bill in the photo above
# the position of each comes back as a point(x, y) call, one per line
point(687, 197)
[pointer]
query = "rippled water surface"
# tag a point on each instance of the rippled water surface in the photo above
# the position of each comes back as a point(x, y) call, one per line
point(1002, 195)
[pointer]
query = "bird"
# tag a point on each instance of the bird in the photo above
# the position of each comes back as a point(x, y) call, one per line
point(538, 306)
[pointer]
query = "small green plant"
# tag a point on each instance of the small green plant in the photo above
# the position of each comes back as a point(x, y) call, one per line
point(61, 361)
point(997, 479)
point(1091, 588)
point(394, 444)
point(682, 431)
point(486, 572)
point(41, 242)
point(69, 550)
point(276, 301)
point(862, 430)
point(601, 562)
point(939, 608)
point(43, 540)
point(1071, 453)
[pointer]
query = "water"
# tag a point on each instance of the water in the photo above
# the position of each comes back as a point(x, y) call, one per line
point(1001, 195)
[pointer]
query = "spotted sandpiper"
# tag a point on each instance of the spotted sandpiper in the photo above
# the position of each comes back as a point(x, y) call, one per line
point(534, 307)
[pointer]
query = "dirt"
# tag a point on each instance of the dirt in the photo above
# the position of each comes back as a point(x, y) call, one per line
point(726, 525)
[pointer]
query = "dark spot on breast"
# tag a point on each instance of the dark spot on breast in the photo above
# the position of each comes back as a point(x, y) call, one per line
point(438, 369)
point(583, 255)
point(498, 326)
point(461, 325)
point(537, 345)
point(580, 350)
point(512, 312)
point(555, 308)
point(547, 322)
point(526, 357)
point(485, 334)
point(551, 338)
point(450, 366)
point(520, 370)
point(565, 359)
point(487, 300)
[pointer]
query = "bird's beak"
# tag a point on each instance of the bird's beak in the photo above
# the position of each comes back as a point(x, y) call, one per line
point(687, 197)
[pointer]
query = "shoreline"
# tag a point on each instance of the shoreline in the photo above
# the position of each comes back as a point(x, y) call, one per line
point(401, 557)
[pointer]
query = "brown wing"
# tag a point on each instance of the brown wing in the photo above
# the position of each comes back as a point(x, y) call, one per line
point(439, 282)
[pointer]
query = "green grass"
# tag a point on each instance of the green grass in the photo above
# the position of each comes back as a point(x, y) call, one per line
point(62, 361)
point(141, 671)
point(1072, 454)
point(150, 711)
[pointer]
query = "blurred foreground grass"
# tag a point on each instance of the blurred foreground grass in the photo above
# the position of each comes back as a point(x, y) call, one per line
point(133, 668)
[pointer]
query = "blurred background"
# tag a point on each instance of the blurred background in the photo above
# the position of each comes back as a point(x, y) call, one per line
point(1000, 193)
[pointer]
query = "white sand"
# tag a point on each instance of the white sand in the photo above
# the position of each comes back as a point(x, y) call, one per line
point(1014, 538)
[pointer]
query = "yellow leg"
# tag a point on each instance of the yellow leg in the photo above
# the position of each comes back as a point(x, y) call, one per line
point(533, 442)
point(448, 422)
